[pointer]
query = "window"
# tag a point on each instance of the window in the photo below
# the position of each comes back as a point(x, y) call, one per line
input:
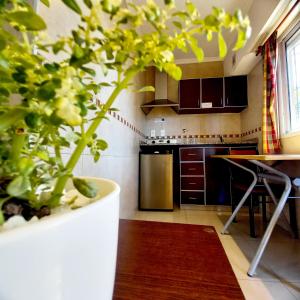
point(292, 50)
point(288, 80)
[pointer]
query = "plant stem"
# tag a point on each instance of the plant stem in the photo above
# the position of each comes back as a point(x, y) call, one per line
point(18, 142)
point(61, 182)
point(57, 151)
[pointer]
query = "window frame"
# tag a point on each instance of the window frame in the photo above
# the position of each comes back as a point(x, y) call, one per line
point(282, 83)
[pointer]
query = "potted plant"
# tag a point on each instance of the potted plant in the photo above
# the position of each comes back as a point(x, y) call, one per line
point(48, 104)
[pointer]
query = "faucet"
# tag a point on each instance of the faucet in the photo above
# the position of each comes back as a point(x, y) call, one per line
point(221, 139)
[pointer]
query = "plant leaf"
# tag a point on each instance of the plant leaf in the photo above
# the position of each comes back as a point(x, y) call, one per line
point(2, 43)
point(196, 50)
point(148, 88)
point(89, 70)
point(86, 188)
point(2, 220)
point(190, 7)
point(222, 45)
point(101, 144)
point(46, 2)
point(18, 186)
point(173, 70)
point(177, 24)
point(73, 5)
point(26, 166)
point(241, 40)
point(10, 117)
point(30, 20)
point(88, 3)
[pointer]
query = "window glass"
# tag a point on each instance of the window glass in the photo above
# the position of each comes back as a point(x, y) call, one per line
point(293, 74)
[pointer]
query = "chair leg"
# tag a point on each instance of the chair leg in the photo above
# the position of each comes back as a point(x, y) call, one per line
point(264, 209)
point(232, 203)
point(252, 218)
point(232, 210)
point(293, 217)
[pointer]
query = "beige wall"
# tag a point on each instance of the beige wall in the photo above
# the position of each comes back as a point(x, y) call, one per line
point(291, 144)
point(195, 124)
point(196, 70)
point(120, 161)
point(251, 117)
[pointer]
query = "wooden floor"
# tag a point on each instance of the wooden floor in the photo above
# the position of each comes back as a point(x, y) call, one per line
point(159, 260)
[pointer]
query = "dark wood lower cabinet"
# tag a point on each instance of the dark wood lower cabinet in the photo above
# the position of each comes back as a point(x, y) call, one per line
point(217, 177)
point(192, 183)
point(205, 180)
point(190, 197)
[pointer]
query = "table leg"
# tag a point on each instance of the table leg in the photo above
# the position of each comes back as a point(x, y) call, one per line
point(246, 195)
point(268, 188)
point(276, 214)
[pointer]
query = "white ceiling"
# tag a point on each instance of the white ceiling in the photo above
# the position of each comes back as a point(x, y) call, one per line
point(211, 50)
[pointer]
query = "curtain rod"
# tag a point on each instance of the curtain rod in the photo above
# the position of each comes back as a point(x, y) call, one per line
point(286, 16)
point(259, 49)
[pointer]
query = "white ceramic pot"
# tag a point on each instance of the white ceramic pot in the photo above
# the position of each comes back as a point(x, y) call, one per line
point(71, 256)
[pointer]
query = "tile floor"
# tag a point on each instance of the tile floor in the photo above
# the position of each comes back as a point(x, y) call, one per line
point(278, 275)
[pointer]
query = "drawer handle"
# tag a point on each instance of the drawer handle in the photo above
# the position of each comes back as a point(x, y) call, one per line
point(192, 198)
point(192, 183)
point(192, 169)
point(192, 154)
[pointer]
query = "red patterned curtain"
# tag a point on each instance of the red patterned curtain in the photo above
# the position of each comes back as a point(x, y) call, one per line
point(271, 143)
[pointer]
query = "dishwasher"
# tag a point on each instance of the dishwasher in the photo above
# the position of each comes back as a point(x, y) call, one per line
point(156, 181)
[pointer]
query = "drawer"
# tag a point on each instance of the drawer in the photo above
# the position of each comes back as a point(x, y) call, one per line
point(192, 197)
point(192, 168)
point(191, 154)
point(192, 183)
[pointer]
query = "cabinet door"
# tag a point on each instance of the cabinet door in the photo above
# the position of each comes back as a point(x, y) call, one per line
point(217, 177)
point(236, 91)
point(189, 93)
point(212, 92)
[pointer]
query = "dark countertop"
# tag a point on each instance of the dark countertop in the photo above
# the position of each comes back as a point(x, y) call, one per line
point(232, 144)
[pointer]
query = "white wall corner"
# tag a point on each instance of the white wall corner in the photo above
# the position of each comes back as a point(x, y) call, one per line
point(264, 17)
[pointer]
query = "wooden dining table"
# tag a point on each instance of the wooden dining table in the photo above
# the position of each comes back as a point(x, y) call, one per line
point(266, 162)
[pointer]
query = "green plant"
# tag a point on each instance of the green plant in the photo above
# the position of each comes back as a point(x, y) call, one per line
point(42, 98)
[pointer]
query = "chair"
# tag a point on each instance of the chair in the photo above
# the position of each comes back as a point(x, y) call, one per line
point(239, 181)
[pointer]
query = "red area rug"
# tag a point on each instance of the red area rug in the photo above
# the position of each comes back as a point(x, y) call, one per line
point(172, 261)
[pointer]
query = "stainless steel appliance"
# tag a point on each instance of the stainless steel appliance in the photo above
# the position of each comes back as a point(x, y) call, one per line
point(156, 181)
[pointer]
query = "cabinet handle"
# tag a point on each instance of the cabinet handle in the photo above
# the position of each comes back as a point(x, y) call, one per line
point(198, 103)
point(226, 100)
point(192, 198)
point(192, 169)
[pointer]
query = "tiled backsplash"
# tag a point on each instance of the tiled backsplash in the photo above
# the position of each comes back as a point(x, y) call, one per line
point(126, 123)
point(207, 126)
point(232, 136)
point(212, 136)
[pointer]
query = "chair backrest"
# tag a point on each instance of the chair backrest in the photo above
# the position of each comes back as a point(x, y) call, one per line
point(236, 172)
point(242, 151)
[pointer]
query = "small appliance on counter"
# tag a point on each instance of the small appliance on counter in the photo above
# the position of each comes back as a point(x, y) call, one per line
point(156, 181)
point(159, 141)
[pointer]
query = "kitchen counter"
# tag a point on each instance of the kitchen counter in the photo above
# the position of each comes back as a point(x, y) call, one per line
point(198, 178)
point(200, 144)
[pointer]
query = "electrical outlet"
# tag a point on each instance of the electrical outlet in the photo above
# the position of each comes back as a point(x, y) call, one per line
point(152, 133)
point(159, 120)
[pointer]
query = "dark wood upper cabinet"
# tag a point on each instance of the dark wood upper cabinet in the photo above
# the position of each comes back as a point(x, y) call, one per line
point(212, 91)
point(226, 95)
point(189, 93)
point(236, 91)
